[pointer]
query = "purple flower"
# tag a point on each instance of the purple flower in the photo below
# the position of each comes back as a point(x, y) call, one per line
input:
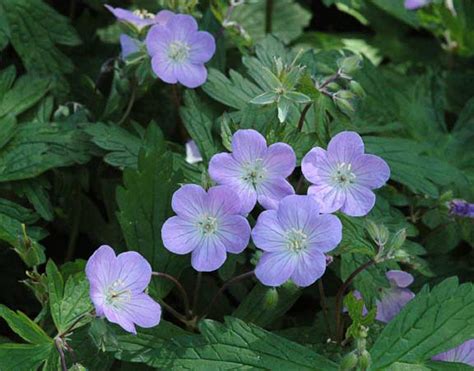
point(255, 171)
point(461, 208)
point(178, 51)
point(294, 239)
point(116, 288)
point(343, 176)
point(193, 155)
point(140, 19)
point(463, 353)
point(207, 224)
point(128, 45)
point(416, 4)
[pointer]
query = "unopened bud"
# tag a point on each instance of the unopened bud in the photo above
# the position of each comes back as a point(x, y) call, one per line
point(379, 233)
point(364, 360)
point(348, 362)
point(398, 239)
point(350, 64)
point(357, 89)
point(271, 298)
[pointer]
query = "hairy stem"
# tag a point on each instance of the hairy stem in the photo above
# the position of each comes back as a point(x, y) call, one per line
point(58, 345)
point(181, 289)
point(223, 288)
point(340, 296)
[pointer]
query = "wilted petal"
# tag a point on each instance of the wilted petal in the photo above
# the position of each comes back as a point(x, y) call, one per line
point(267, 233)
point(193, 155)
point(128, 45)
point(275, 268)
point(359, 201)
point(180, 236)
point(310, 267)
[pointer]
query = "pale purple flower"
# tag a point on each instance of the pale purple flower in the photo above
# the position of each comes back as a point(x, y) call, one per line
point(463, 353)
point(461, 208)
point(128, 45)
point(394, 298)
point(416, 4)
point(254, 171)
point(294, 239)
point(178, 51)
point(140, 18)
point(208, 224)
point(193, 155)
point(343, 176)
point(117, 285)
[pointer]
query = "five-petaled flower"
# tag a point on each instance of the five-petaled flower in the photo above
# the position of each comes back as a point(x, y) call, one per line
point(294, 239)
point(343, 176)
point(208, 224)
point(117, 285)
point(255, 171)
point(463, 353)
point(178, 51)
point(140, 18)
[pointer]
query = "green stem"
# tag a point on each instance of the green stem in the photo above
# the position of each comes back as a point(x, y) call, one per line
point(303, 116)
point(129, 106)
point(76, 221)
point(196, 292)
point(58, 345)
point(180, 288)
point(324, 307)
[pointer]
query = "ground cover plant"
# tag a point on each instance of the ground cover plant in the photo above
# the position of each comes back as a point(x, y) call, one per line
point(236, 184)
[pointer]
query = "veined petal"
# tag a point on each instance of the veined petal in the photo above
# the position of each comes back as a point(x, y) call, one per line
point(329, 198)
point(191, 75)
point(280, 160)
point(180, 236)
point(141, 310)
point(203, 47)
point(268, 234)
point(234, 233)
point(101, 267)
point(324, 232)
point(134, 271)
point(359, 201)
point(209, 255)
point(163, 68)
point(275, 268)
point(370, 171)
point(248, 145)
point(224, 169)
point(182, 26)
point(157, 41)
point(316, 166)
point(223, 200)
point(309, 268)
point(345, 146)
point(272, 191)
point(189, 201)
point(400, 278)
point(392, 303)
point(295, 211)
point(114, 315)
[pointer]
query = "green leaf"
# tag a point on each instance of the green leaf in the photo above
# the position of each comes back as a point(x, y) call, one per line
point(288, 19)
point(24, 327)
point(433, 322)
point(121, 145)
point(145, 203)
point(7, 78)
point(24, 357)
point(198, 120)
point(255, 307)
point(237, 345)
point(26, 92)
point(55, 291)
point(34, 30)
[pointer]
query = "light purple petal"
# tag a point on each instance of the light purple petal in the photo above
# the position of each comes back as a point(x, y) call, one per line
point(189, 201)
point(248, 145)
point(209, 255)
point(359, 201)
point(101, 267)
point(128, 45)
point(234, 233)
point(370, 171)
point(134, 271)
point(224, 169)
point(316, 166)
point(163, 16)
point(165, 70)
point(247, 196)
point(193, 155)
point(272, 191)
point(190, 75)
point(222, 200)
point(275, 268)
point(310, 267)
point(268, 234)
point(463, 353)
point(392, 303)
point(129, 17)
point(345, 146)
point(203, 47)
point(415, 4)
point(296, 211)
point(141, 310)
point(180, 236)
point(182, 26)
point(324, 232)
point(329, 198)
point(114, 315)
point(280, 160)
point(400, 278)
point(157, 41)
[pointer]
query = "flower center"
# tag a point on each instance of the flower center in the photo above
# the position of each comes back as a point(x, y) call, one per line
point(116, 293)
point(207, 225)
point(343, 175)
point(178, 51)
point(296, 240)
point(144, 14)
point(254, 173)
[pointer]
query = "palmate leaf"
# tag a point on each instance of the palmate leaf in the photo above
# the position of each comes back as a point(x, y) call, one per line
point(434, 321)
point(145, 203)
point(236, 345)
point(34, 29)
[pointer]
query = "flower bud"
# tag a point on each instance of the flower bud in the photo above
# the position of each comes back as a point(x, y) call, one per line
point(378, 233)
point(350, 64)
point(348, 362)
point(357, 89)
point(364, 360)
point(271, 298)
point(398, 239)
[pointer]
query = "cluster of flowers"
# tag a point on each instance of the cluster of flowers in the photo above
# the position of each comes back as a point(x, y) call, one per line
point(177, 49)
